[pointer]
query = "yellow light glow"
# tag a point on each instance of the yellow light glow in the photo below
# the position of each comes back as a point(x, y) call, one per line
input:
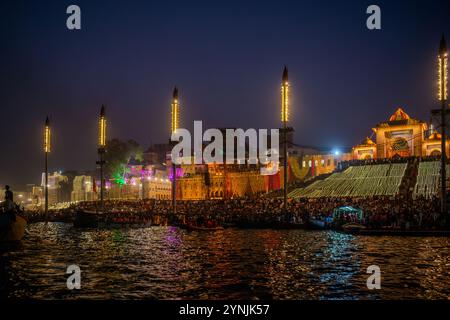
point(285, 102)
point(443, 77)
point(47, 139)
point(175, 115)
point(102, 132)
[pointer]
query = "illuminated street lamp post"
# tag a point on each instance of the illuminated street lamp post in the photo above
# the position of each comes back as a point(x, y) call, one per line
point(442, 96)
point(47, 149)
point(175, 112)
point(284, 120)
point(101, 151)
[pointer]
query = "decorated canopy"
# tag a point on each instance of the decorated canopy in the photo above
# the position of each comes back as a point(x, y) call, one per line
point(347, 210)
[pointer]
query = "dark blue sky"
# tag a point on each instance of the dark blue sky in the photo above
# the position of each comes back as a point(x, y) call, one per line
point(226, 58)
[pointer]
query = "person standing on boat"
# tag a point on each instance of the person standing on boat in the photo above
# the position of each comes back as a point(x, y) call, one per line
point(9, 199)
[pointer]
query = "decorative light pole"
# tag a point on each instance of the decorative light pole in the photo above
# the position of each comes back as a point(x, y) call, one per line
point(101, 152)
point(175, 123)
point(442, 96)
point(47, 149)
point(284, 120)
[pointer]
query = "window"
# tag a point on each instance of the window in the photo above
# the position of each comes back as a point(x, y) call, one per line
point(322, 162)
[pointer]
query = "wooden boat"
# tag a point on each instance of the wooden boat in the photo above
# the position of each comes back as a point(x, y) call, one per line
point(229, 225)
point(317, 224)
point(289, 225)
point(12, 230)
point(402, 233)
point(86, 219)
point(353, 227)
point(202, 228)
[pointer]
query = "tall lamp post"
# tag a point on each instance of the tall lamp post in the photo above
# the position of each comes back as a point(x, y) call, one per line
point(47, 149)
point(284, 120)
point(442, 96)
point(175, 123)
point(101, 152)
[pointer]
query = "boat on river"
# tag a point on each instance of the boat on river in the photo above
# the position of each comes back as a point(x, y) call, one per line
point(192, 227)
point(86, 219)
point(12, 227)
point(319, 224)
point(399, 232)
point(353, 227)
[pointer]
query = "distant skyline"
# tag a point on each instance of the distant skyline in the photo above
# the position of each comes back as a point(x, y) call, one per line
point(225, 57)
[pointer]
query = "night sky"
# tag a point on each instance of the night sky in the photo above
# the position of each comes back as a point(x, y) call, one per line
point(226, 58)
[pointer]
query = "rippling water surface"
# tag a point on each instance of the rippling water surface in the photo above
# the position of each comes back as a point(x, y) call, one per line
point(169, 263)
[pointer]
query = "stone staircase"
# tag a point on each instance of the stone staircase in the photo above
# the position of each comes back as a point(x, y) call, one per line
point(409, 179)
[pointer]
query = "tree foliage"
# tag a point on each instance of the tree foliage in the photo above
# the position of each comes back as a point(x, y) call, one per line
point(118, 156)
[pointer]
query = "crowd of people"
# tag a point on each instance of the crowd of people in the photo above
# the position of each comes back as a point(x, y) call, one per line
point(378, 212)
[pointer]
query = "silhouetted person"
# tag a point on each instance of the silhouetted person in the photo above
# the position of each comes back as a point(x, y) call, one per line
point(9, 199)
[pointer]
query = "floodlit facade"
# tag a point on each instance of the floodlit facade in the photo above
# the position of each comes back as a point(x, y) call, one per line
point(400, 136)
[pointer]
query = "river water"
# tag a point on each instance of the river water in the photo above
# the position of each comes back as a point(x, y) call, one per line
point(170, 263)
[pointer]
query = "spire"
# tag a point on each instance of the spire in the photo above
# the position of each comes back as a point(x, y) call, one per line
point(285, 74)
point(175, 93)
point(102, 111)
point(47, 122)
point(443, 46)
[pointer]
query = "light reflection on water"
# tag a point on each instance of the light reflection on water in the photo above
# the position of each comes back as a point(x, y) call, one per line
point(169, 263)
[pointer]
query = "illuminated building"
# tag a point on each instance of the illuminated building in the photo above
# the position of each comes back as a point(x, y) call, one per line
point(312, 165)
point(142, 181)
point(83, 189)
point(54, 186)
point(400, 136)
point(213, 181)
point(366, 150)
point(432, 145)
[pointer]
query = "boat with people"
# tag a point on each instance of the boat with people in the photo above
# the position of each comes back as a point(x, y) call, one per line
point(12, 226)
point(12, 221)
point(348, 218)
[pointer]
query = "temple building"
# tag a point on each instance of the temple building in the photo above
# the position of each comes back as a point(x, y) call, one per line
point(222, 182)
point(366, 150)
point(432, 145)
point(400, 136)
